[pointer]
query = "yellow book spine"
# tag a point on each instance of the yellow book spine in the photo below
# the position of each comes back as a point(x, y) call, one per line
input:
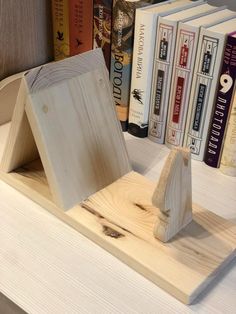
point(61, 38)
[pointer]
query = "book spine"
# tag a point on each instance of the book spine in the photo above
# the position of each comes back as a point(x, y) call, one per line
point(61, 38)
point(123, 16)
point(143, 54)
point(222, 105)
point(206, 72)
point(182, 77)
point(161, 79)
point(121, 56)
point(102, 27)
point(80, 26)
point(228, 160)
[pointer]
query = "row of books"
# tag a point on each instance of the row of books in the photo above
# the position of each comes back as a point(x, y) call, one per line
point(81, 25)
point(175, 86)
point(72, 27)
point(166, 65)
point(182, 54)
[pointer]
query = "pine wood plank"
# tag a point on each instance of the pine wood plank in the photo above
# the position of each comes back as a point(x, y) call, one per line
point(70, 103)
point(47, 267)
point(121, 217)
point(70, 265)
point(173, 195)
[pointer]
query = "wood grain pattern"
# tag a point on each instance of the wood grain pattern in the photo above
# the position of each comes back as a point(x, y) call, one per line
point(26, 35)
point(173, 195)
point(73, 119)
point(54, 73)
point(121, 218)
point(47, 266)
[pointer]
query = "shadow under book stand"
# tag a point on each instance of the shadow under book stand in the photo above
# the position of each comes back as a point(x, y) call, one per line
point(65, 150)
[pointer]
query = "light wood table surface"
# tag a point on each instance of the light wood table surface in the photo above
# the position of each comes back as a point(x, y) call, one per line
point(47, 267)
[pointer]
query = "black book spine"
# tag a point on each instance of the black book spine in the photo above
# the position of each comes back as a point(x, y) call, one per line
point(222, 105)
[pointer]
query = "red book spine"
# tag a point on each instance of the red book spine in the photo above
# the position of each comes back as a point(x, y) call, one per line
point(178, 100)
point(81, 26)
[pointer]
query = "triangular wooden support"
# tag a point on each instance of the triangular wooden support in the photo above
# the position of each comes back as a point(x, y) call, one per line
point(74, 127)
point(173, 195)
point(65, 150)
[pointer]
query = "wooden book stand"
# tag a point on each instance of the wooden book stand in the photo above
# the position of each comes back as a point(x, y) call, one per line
point(66, 151)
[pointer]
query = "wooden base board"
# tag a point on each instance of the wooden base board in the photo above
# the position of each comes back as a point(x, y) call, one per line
point(120, 218)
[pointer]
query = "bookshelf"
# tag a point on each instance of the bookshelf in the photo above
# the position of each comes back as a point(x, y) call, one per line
point(49, 267)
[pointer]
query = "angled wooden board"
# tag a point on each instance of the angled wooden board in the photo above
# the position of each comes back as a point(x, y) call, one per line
point(74, 123)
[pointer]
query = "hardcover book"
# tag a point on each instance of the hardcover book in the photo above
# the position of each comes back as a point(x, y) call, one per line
point(163, 67)
point(80, 26)
point(184, 61)
point(228, 160)
point(207, 70)
point(221, 107)
point(61, 37)
point(72, 27)
point(102, 27)
point(143, 58)
point(123, 16)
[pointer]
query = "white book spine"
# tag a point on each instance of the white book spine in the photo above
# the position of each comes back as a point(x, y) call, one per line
point(161, 79)
point(143, 54)
point(185, 54)
point(205, 78)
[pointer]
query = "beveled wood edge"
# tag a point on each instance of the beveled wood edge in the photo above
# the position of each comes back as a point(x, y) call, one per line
point(49, 74)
